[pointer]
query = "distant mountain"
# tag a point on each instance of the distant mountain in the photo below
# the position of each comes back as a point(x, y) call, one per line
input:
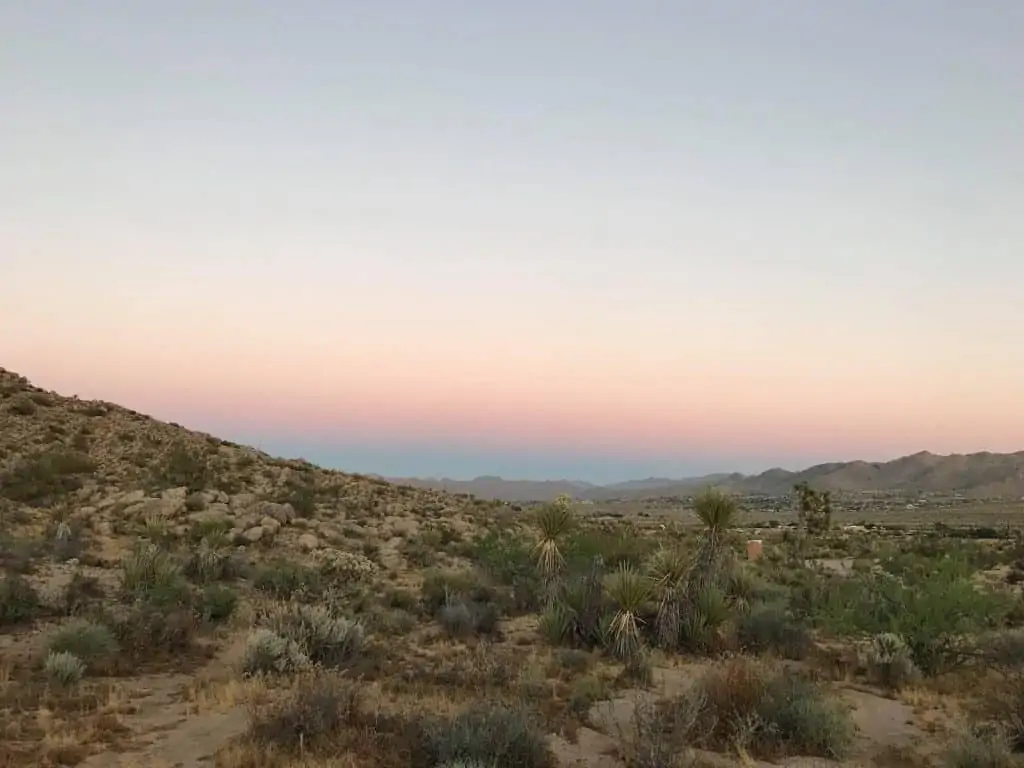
point(979, 475)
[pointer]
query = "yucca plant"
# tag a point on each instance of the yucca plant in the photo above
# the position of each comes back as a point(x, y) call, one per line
point(553, 521)
point(668, 570)
point(742, 588)
point(706, 613)
point(64, 668)
point(629, 591)
point(717, 511)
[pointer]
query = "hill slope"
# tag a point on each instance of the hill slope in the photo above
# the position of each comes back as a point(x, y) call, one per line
point(111, 467)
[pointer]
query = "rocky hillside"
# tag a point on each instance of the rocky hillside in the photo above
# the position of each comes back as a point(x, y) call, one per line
point(110, 469)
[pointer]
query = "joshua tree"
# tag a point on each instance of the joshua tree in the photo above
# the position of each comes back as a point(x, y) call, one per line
point(815, 508)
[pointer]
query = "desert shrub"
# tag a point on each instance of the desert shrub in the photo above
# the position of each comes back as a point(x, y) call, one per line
point(661, 731)
point(218, 602)
point(214, 530)
point(770, 712)
point(638, 669)
point(890, 662)
point(586, 691)
point(1003, 702)
point(41, 478)
point(149, 630)
point(464, 618)
point(342, 570)
point(79, 592)
point(1003, 651)
point(507, 559)
point(301, 494)
point(183, 467)
point(494, 735)
point(933, 610)
point(270, 653)
point(94, 644)
point(310, 717)
point(322, 636)
point(580, 613)
point(391, 621)
point(441, 587)
point(19, 600)
point(209, 563)
point(21, 405)
point(802, 720)
point(17, 554)
point(979, 750)
point(704, 618)
point(769, 628)
point(620, 546)
point(286, 580)
point(63, 668)
point(195, 502)
point(571, 661)
point(149, 573)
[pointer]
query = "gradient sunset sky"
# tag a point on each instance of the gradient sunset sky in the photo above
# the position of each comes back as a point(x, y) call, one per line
point(597, 239)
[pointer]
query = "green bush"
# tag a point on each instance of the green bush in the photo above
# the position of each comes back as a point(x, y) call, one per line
point(508, 560)
point(94, 644)
point(615, 547)
point(494, 735)
point(441, 587)
point(286, 580)
point(580, 614)
point(932, 609)
point(769, 628)
point(183, 467)
point(218, 603)
point(19, 601)
point(41, 478)
point(803, 720)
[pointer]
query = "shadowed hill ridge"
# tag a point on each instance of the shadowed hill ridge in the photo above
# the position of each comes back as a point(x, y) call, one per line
point(976, 475)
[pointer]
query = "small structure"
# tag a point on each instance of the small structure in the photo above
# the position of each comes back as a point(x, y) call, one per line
point(755, 548)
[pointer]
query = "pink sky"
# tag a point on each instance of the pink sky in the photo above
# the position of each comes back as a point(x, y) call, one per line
point(672, 234)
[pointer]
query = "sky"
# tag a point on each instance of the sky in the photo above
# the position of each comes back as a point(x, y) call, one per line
point(590, 239)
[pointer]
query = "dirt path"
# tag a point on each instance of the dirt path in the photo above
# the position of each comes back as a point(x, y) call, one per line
point(171, 734)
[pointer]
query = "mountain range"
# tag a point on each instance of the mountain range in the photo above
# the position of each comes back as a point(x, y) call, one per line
point(975, 475)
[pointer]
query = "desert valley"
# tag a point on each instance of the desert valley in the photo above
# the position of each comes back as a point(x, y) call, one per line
point(172, 599)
